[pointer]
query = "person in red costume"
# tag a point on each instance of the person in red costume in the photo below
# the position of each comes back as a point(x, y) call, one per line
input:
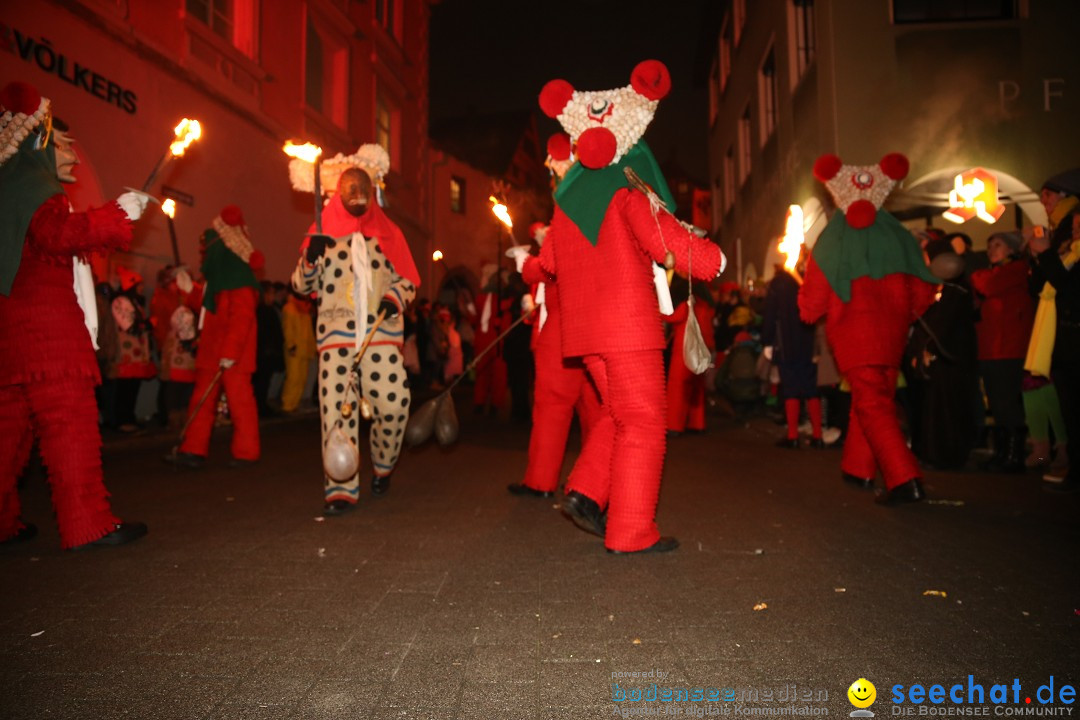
point(561, 388)
point(867, 278)
point(602, 249)
point(489, 391)
point(227, 342)
point(686, 389)
point(47, 365)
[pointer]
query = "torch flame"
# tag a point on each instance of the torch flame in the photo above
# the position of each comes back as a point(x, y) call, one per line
point(793, 239)
point(500, 211)
point(187, 132)
point(306, 152)
point(436, 256)
point(169, 207)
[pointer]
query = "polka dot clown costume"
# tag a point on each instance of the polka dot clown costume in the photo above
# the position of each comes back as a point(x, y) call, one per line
point(867, 278)
point(360, 266)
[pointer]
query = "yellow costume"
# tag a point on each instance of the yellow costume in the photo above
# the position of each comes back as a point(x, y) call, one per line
point(1041, 345)
point(299, 352)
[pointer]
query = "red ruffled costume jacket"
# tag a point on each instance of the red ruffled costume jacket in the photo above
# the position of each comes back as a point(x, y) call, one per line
point(608, 286)
point(870, 329)
point(229, 331)
point(548, 335)
point(42, 331)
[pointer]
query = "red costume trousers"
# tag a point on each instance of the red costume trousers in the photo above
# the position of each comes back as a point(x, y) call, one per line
point(490, 380)
point(874, 439)
point(242, 410)
point(631, 437)
point(686, 398)
point(561, 385)
point(62, 413)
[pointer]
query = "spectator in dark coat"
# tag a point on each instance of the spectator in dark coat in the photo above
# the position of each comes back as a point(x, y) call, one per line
point(1055, 261)
point(790, 343)
point(270, 347)
point(941, 373)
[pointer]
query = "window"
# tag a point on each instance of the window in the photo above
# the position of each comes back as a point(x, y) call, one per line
point(725, 52)
point(388, 16)
point(920, 11)
point(457, 194)
point(387, 126)
point(767, 96)
point(714, 92)
point(233, 20)
point(216, 14)
point(729, 179)
point(744, 145)
point(803, 41)
point(313, 69)
point(326, 73)
point(738, 11)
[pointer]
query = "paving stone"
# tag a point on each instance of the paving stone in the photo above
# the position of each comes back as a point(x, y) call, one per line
point(449, 598)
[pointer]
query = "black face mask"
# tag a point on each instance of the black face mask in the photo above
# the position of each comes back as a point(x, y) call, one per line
point(354, 189)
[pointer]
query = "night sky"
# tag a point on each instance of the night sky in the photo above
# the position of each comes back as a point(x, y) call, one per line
point(489, 56)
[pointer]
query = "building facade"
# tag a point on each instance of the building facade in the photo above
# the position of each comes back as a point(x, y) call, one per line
point(122, 73)
point(953, 84)
point(475, 158)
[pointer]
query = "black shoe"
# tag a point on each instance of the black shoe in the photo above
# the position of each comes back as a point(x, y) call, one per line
point(788, 443)
point(1065, 486)
point(185, 460)
point(584, 512)
point(523, 489)
point(664, 544)
point(380, 484)
point(909, 492)
point(674, 433)
point(817, 444)
point(861, 483)
point(338, 507)
point(125, 532)
point(27, 532)
point(240, 463)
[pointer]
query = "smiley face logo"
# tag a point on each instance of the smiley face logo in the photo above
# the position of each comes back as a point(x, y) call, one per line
point(862, 693)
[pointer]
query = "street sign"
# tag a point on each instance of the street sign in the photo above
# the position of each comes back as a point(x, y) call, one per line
point(178, 196)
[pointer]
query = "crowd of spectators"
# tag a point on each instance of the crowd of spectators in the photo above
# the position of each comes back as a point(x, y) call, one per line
point(991, 365)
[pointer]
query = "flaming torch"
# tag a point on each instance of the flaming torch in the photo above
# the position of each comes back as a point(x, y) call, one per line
point(187, 132)
point(499, 208)
point(310, 153)
point(169, 208)
point(792, 242)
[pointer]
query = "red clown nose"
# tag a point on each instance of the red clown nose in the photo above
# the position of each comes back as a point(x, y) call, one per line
point(596, 147)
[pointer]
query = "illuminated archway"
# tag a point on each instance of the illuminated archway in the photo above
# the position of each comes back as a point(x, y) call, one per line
point(932, 190)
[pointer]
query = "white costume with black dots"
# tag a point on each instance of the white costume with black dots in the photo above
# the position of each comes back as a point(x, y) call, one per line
point(382, 373)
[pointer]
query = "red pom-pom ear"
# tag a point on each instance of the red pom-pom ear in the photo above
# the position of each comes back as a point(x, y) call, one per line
point(558, 146)
point(895, 166)
point(554, 96)
point(20, 97)
point(826, 167)
point(861, 214)
point(257, 261)
point(651, 79)
point(596, 147)
point(232, 215)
